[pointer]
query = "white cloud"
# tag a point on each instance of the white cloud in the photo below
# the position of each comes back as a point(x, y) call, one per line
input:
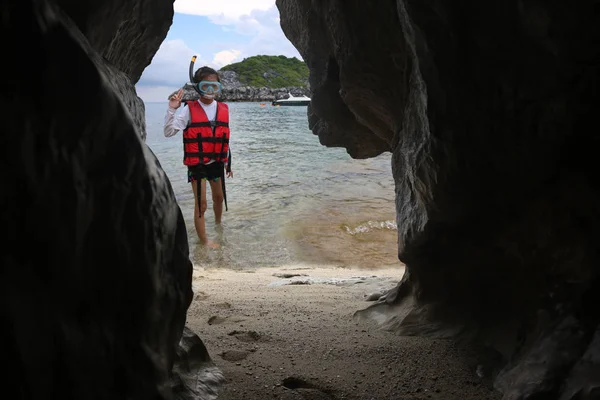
point(263, 27)
point(267, 36)
point(225, 9)
point(226, 57)
point(154, 93)
point(256, 19)
point(171, 63)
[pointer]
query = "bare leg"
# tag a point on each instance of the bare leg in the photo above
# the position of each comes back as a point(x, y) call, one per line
point(217, 197)
point(199, 214)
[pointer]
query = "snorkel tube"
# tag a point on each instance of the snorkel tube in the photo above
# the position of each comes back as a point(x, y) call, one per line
point(192, 76)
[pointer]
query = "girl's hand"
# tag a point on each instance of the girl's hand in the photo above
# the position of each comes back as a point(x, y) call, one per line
point(230, 174)
point(175, 100)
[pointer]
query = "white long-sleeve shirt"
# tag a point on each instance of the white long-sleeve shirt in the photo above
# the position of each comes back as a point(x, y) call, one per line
point(178, 121)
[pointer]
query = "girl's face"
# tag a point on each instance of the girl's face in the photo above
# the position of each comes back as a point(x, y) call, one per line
point(209, 86)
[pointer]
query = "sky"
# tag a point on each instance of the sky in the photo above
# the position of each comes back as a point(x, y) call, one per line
point(219, 32)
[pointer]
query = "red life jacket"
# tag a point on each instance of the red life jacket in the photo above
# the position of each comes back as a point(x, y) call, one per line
point(201, 141)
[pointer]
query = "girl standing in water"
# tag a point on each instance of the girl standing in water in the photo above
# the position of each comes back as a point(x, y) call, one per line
point(205, 126)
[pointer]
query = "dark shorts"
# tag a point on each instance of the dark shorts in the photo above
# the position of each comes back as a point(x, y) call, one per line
point(210, 172)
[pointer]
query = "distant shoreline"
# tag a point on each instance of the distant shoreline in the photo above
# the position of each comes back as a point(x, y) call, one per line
point(223, 101)
point(247, 94)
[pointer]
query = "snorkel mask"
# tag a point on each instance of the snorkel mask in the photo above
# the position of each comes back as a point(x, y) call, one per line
point(207, 89)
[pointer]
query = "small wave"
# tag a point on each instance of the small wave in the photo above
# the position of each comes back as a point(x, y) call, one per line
point(370, 226)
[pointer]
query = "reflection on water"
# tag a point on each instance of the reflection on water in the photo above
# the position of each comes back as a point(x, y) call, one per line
point(370, 226)
point(336, 235)
point(291, 201)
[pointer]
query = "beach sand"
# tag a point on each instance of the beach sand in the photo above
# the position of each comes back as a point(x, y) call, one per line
point(273, 340)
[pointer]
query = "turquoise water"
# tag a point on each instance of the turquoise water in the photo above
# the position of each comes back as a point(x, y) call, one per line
point(291, 200)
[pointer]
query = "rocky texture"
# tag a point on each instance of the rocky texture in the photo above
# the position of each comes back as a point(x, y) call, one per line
point(234, 90)
point(131, 34)
point(249, 93)
point(121, 84)
point(96, 278)
point(488, 119)
point(230, 79)
point(119, 81)
point(195, 376)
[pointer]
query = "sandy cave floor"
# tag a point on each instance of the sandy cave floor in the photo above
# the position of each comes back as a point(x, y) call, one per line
point(300, 341)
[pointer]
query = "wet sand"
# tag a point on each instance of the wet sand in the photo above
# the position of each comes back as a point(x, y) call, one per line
point(274, 340)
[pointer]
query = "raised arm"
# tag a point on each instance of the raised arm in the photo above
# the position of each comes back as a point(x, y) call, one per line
point(174, 121)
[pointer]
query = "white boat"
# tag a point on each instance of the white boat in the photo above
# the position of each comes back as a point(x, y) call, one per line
point(292, 101)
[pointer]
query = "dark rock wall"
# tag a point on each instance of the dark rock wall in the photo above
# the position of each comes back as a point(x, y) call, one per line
point(325, 37)
point(125, 36)
point(487, 107)
point(95, 278)
point(489, 110)
point(131, 33)
point(120, 82)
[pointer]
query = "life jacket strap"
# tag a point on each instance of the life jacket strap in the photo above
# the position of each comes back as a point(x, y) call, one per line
point(208, 124)
point(212, 156)
point(206, 140)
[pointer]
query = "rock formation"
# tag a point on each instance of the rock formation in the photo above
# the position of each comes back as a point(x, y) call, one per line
point(96, 278)
point(234, 90)
point(250, 93)
point(488, 109)
point(126, 34)
point(246, 93)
